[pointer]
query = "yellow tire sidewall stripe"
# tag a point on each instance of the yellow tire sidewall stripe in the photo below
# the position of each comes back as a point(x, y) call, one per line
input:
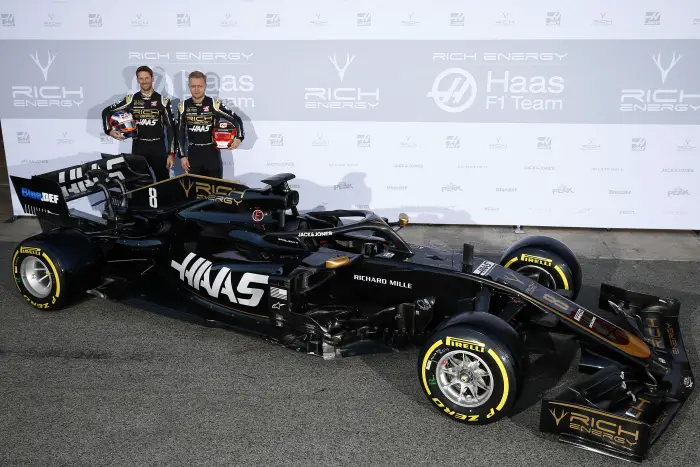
point(425, 363)
point(14, 258)
point(494, 355)
point(556, 268)
point(55, 273)
point(563, 277)
point(506, 382)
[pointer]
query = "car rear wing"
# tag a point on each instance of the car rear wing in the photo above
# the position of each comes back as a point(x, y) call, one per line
point(40, 196)
point(80, 180)
point(46, 195)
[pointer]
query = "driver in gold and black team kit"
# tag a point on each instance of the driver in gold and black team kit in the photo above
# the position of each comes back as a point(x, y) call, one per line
point(195, 125)
point(154, 120)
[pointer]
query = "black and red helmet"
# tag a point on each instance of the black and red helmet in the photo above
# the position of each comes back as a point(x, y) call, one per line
point(124, 123)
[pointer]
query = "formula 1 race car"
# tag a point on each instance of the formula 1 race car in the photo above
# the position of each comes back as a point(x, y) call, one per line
point(343, 282)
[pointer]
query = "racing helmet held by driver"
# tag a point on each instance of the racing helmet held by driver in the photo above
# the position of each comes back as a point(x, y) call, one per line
point(124, 123)
point(223, 134)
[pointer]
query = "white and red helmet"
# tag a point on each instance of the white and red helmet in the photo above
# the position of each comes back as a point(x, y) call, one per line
point(223, 134)
point(124, 123)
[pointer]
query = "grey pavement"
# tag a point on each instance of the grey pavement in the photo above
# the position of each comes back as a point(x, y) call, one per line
point(106, 384)
point(103, 383)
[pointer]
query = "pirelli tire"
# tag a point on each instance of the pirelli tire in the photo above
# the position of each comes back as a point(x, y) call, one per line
point(546, 266)
point(469, 375)
point(51, 268)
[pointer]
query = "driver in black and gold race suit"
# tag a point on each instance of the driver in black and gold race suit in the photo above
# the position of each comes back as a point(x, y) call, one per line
point(195, 124)
point(154, 117)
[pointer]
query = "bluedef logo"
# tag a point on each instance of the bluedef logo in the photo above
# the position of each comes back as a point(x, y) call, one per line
point(39, 196)
point(197, 273)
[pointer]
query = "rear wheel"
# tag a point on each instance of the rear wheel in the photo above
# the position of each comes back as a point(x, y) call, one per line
point(39, 277)
point(469, 375)
point(51, 268)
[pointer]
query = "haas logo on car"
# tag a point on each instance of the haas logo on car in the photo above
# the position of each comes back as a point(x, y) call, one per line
point(196, 272)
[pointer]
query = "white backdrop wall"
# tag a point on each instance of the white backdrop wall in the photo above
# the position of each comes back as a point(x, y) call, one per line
point(551, 113)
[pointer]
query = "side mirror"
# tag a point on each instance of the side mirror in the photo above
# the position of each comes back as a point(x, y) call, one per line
point(403, 219)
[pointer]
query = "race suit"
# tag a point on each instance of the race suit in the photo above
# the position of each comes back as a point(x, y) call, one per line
point(194, 134)
point(156, 125)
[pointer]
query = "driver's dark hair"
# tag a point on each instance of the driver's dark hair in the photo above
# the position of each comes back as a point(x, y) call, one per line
point(144, 68)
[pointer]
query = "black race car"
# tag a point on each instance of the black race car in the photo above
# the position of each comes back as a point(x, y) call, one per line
point(343, 282)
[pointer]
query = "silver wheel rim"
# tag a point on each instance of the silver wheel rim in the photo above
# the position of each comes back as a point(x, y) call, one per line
point(35, 276)
point(539, 275)
point(464, 378)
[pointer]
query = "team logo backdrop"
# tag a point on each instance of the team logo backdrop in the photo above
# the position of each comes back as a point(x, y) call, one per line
point(500, 113)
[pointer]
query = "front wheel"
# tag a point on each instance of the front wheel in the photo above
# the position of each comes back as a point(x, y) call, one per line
point(546, 267)
point(469, 375)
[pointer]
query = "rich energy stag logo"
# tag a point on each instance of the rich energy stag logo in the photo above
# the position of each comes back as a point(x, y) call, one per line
point(603, 20)
point(666, 98)
point(341, 97)
point(686, 146)
point(455, 89)
point(48, 95)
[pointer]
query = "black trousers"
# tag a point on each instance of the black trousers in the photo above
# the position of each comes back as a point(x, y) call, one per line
point(155, 154)
point(205, 160)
